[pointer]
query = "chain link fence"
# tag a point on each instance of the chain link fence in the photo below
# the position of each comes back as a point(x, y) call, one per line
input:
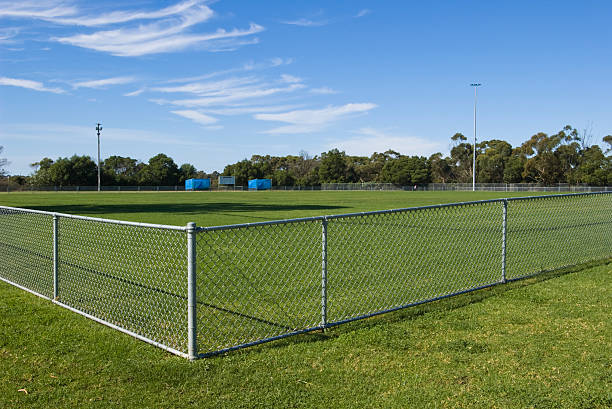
point(481, 187)
point(198, 291)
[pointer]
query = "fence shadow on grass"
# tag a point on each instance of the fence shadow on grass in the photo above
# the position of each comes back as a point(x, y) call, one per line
point(183, 208)
point(410, 313)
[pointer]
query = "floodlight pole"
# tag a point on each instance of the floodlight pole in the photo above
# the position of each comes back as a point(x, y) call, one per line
point(475, 85)
point(98, 128)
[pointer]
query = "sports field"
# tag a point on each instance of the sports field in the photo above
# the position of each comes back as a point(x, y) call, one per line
point(220, 208)
point(472, 350)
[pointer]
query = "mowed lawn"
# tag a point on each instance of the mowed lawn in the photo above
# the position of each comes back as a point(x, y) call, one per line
point(543, 342)
point(220, 208)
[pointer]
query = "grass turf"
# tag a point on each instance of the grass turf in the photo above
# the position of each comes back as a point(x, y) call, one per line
point(220, 208)
point(545, 342)
point(392, 379)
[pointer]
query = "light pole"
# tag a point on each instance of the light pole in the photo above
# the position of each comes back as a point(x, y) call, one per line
point(475, 85)
point(99, 128)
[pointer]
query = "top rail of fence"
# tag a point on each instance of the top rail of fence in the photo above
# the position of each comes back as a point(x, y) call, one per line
point(97, 219)
point(400, 210)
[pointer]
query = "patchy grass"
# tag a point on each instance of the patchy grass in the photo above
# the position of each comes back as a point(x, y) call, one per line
point(544, 342)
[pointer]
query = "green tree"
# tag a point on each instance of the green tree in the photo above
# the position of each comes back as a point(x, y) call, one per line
point(441, 170)
point(187, 171)
point(515, 166)
point(406, 171)
point(608, 140)
point(333, 167)
point(491, 163)
point(544, 164)
point(595, 169)
point(160, 171)
point(74, 171)
point(461, 155)
point(82, 171)
point(120, 171)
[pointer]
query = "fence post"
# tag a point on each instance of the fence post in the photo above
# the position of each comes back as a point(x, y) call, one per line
point(55, 258)
point(324, 273)
point(192, 347)
point(504, 236)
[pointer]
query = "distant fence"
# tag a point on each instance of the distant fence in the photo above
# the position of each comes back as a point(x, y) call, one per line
point(491, 187)
point(198, 291)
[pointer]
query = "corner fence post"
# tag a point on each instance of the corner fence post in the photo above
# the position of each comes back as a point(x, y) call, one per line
point(324, 273)
point(192, 347)
point(504, 236)
point(55, 258)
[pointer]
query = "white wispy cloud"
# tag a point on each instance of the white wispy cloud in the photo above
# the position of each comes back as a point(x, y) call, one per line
point(290, 79)
point(196, 116)
point(103, 82)
point(371, 140)
point(125, 16)
point(251, 109)
point(312, 120)
point(40, 9)
point(221, 87)
point(278, 61)
point(170, 29)
point(362, 13)
point(249, 66)
point(29, 84)
point(7, 34)
point(153, 39)
point(233, 95)
point(323, 91)
point(59, 12)
point(134, 93)
point(304, 22)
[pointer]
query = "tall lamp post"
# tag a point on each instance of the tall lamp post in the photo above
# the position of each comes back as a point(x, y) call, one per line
point(99, 128)
point(475, 85)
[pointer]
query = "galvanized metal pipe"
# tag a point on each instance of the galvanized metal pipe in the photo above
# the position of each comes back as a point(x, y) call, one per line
point(324, 273)
point(192, 346)
point(55, 258)
point(504, 237)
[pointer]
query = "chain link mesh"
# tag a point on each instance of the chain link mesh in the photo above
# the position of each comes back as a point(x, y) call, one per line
point(26, 250)
point(257, 282)
point(550, 232)
point(266, 280)
point(131, 276)
point(379, 262)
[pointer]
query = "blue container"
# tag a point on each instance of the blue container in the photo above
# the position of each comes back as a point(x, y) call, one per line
point(260, 184)
point(197, 184)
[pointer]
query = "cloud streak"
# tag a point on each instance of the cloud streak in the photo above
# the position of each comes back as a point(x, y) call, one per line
point(155, 39)
point(170, 29)
point(233, 95)
point(103, 82)
point(312, 120)
point(196, 116)
point(323, 91)
point(33, 85)
point(304, 22)
point(362, 13)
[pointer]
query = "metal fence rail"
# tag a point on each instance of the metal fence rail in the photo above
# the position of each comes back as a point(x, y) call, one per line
point(198, 291)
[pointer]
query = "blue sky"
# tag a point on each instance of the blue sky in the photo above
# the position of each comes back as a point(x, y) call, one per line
point(213, 82)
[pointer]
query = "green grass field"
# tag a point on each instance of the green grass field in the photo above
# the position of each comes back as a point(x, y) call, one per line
point(508, 346)
point(220, 208)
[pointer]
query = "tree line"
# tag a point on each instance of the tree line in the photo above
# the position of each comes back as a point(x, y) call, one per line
point(565, 157)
